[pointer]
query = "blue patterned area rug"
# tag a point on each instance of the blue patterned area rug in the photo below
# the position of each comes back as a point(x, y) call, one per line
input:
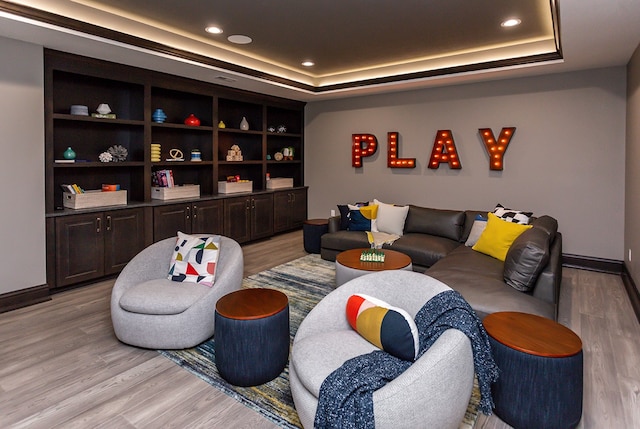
point(305, 281)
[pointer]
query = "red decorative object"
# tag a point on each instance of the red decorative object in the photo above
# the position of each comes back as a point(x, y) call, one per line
point(192, 121)
point(392, 154)
point(444, 150)
point(362, 145)
point(496, 148)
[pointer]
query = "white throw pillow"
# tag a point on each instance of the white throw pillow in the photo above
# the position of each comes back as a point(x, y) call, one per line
point(479, 224)
point(391, 218)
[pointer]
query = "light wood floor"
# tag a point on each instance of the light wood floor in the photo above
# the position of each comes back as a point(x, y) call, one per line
point(61, 365)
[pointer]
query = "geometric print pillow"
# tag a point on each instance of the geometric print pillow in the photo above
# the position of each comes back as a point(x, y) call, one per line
point(389, 328)
point(194, 259)
point(515, 216)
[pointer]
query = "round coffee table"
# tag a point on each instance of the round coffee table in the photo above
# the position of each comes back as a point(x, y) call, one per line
point(540, 362)
point(349, 266)
point(251, 336)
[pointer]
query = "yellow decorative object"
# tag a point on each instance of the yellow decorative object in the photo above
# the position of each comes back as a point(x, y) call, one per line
point(498, 236)
point(221, 125)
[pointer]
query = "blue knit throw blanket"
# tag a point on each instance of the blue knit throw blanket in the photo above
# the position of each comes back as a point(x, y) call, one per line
point(346, 395)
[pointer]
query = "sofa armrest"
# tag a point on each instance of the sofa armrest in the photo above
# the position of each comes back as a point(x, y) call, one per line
point(547, 286)
point(334, 223)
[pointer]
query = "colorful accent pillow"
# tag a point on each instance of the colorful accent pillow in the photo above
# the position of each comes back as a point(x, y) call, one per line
point(390, 218)
point(497, 237)
point(389, 328)
point(194, 259)
point(344, 213)
point(510, 215)
point(362, 218)
point(479, 224)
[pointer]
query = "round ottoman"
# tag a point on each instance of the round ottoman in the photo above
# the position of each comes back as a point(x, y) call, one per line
point(312, 231)
point(540, 361)
point(251, 336)
point(349, 266)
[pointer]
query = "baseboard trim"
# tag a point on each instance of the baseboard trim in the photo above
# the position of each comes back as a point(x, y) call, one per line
point(632, 291)
point(610, 266)
point(23, 298)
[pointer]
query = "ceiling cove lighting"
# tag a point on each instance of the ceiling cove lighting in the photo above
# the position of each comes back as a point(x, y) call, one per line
point(512, 22)
point(213, 29)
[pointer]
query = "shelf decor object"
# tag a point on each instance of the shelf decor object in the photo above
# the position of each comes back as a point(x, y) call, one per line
point(156, 152)
point(225, 187)
point(118, 153)
point(192, 121)
point(279, 182)
point(175, 192)
point(94, 198)
point(69, 153)
point(159, 116)
point(244, 125)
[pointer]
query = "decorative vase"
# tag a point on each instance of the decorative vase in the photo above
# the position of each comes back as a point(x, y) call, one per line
point(103, 109)
point(192, 121)
point(159, 116)
point(69, 154)
point(244, 125)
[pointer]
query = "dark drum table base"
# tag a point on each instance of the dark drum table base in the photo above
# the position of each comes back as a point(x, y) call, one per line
point(252, 352)
point(537, 392)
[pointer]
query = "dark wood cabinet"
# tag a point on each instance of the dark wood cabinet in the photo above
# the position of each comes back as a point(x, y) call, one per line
point(249, 217)
point(289, 209)
point(92, 245)
point(202, 217)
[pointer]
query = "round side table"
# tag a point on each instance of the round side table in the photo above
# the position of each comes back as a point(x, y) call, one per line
point(349, 266)
point(251, 336)
point(312, 231)
point(540, 362)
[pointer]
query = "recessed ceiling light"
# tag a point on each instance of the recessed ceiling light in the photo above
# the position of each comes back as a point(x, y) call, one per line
point(213, 30)
point(239, 39)
point(308, 63)
point(511, 22)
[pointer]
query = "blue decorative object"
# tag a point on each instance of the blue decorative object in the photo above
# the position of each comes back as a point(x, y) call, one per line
point(69, 154)
point(159, 116)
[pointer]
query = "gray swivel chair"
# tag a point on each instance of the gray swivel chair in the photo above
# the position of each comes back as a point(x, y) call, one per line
point(148, 310)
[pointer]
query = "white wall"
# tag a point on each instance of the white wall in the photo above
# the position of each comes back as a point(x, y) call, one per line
point(22, 224)
point(566, 158)
point(632, 197)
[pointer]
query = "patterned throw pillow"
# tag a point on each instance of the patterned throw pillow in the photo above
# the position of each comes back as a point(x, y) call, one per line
point(479, 224)
point(510, 215)
point(362, 218)
point(194, 259)
point(497, 237)
point(344, 213)
point(389, 328)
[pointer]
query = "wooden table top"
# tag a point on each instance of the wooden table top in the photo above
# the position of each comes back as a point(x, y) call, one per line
point(247, 304)
point(393, 260)
point(317, 222)
point(532, 334)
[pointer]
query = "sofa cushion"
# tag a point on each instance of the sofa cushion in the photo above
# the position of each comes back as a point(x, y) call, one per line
point(390, 328)
point(547, 223)
point(344, 240)
point(423, 249)
point(391, 218)
point(312, 362)
point(526, 258)
point(479, 278)
point(161, 296)
point(510, 215)
point(362, 218)
point(477, 228)
point(194, 259)
point(497, 237)
point(344, 213)
point(443, 223)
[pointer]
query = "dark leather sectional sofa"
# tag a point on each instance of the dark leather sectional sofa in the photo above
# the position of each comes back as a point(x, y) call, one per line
point(435, 241)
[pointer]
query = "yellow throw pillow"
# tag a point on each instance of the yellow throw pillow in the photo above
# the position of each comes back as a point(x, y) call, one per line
point(498, 236)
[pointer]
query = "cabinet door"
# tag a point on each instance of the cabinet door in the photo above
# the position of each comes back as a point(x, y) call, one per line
point(237, 218)
point(261, 216)
point(123, 238)
point(79, 248)
point(168, 220)
point(281, 211)
point(207, 217)
point(298, 207)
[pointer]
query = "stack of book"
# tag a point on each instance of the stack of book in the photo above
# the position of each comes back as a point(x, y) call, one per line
point(72, 189)
point(163, 178)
